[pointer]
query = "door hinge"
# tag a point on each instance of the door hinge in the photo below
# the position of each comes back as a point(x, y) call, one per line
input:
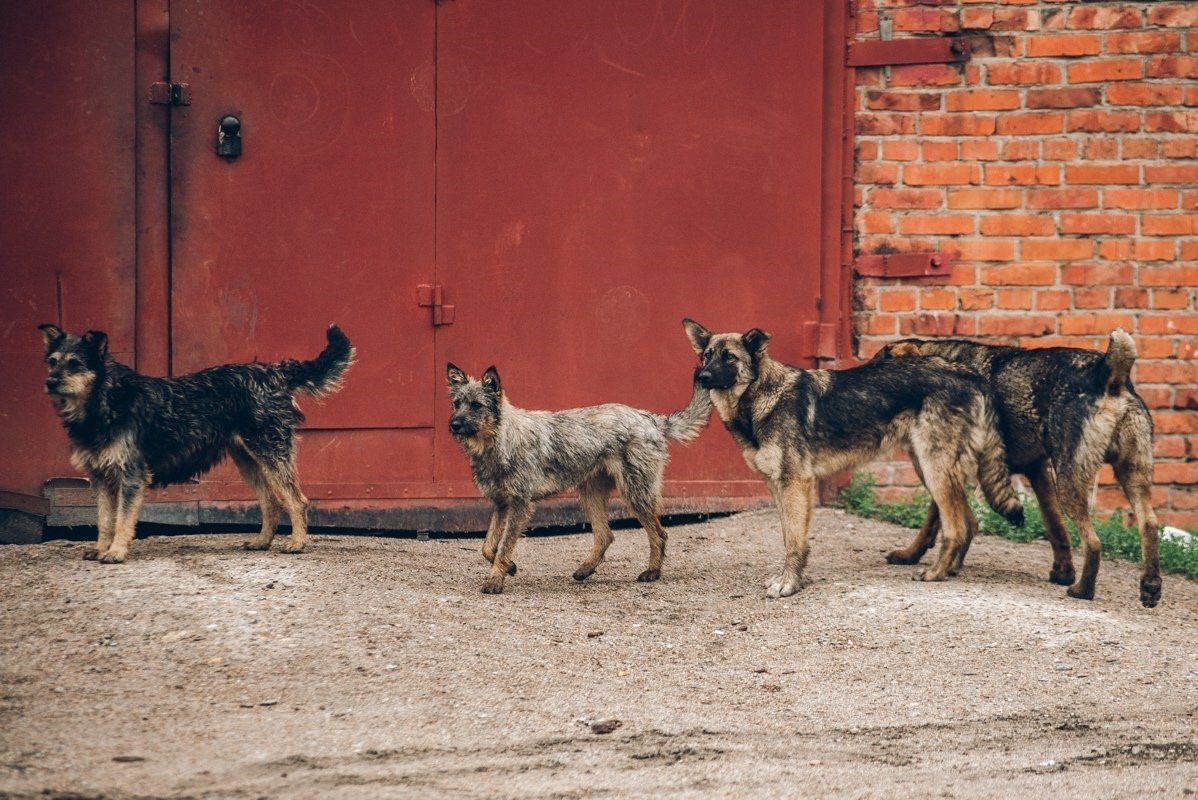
point(819, 339)
point(432, 296)
point(162, 93)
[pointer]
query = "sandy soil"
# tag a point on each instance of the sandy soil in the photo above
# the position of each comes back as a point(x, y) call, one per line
point(372, 667)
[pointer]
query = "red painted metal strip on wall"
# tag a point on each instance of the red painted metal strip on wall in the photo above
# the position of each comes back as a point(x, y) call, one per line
point(877, 53)
point(904, 265)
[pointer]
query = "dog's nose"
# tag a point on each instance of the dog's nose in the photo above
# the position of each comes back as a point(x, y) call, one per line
point(51, 384)
point(703, 377)
point(455, 425)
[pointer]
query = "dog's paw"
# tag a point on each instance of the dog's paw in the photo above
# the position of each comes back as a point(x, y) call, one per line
point(648, 576)
point(113, 556)
point(293, 547)
point(255, 544)
point(900, 556)
point(927, 575)
point(493, 585)
point(782, 586)
point(1150, 591)
point(1080, 592)
point(582, 573)
point(91, 554)
point(511, 568)
point(1062, 576)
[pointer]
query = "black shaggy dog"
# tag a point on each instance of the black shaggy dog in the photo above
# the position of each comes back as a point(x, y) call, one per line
point(130, 431)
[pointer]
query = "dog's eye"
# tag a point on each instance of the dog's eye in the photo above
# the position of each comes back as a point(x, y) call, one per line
point(475, 405)
point(728, 357)
point(457, 403)
point(52, 361)
point(73, 362)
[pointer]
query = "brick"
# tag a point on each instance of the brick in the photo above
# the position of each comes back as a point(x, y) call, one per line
point(938, 224)
point(1014, 299)
point(929, 324)
point(1064, 46)
point(1022, 72)
point(1154, 250)
point(1027, 124)
point(924, 20)
point(982, 100)
point(975, 299)
point(1171, 173)
point(985, 249)
point(1144, 42)
point(1139, 148)
point(1169, 447)
point(1180, 519)
point(1060, 149)
point(1053, 300)
point(1016, 325)
point(1103, 18)
point(979, 150)
point(1015, 19)
point(1062, 198)
point(906, 198)
point(1156, 396)
point(1056, 249)
point(1189, 251)
point(1098, 121)
point(1131, 298)
point(877, 173)
point(1180, 148)
point(1093, 324)
point(1172, 67)
point(1171, 299)
point(884, 124)
point(1175, 472)
point(1139, 198)
point(1097, 297)
point(1189, 199)
point(1127, 69)
point(1099, 148)
point(984, 198)
point(880, 324)
point(1020, 275)
point(1171, 276)
point(978, 19)
point(1174, 16)
point(939, 151)
point(935, 299)
point(1187, 349)
point(897, 300)
point(867, 149)
point(876, 222)
point(900, 150)
point(1022, 175)
point(1074, 97)
point(1143, 94)
point(1092, 274)
point(1171, 121)
point(1095, 174)
point(1173, 225)
point(902, 101)
point(956, 125)
point(1098, 223)
point(931, 174)
point(924, 75)
point(1020, 150)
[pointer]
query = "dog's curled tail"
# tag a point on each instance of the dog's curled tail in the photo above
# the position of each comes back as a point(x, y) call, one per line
point(1120, 356)
point(994, 475)
point(687, 424)
point(322, 375)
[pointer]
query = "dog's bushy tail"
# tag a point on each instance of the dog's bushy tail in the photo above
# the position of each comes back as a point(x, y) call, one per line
point(994, 475)
point(1120, 356)
point(321, 375)
point(687, 424)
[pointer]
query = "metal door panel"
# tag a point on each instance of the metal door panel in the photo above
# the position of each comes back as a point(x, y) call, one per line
point(328, 213)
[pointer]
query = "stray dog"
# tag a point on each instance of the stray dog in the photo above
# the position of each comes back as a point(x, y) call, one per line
point(519, 457)
point(1063, 411)
point(797, 425)
point(130, 431)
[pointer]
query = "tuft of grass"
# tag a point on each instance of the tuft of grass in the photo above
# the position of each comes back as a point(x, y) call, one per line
point(1179, 556)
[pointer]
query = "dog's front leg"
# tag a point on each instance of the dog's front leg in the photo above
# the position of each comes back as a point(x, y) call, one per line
point(494, 534)
point(795, 499)
point(106, 503)
point(128, 507)
point(518, 515)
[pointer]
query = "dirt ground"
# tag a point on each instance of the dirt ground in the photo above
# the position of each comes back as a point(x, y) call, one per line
point(372, 667)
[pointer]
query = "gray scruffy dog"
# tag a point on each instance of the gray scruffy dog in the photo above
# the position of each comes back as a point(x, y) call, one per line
point(519, 457)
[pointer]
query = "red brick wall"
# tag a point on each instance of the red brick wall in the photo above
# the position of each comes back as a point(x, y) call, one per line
point(1060, 165)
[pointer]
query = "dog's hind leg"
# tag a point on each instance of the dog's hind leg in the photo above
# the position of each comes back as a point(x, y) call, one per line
point(518, 514)
point(922, 542)
point(494, 533)
point(1135, 476)
point(251, 473)
point(106, 505)
point(971, 530)
point(639, 480)
point(1076, 504)
point(795, 499)
point(592, 496)
point(283, 482)
point(128, 507)
point(1044, 484)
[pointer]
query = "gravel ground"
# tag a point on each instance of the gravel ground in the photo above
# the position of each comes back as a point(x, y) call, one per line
point(372, 667)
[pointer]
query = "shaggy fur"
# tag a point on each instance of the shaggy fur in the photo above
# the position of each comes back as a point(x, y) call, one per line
point(130, 431)
point(1063, 412)
point(519, 457)
point(795, 426)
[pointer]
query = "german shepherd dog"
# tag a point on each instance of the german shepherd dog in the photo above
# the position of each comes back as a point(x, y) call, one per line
point(130, 431)
point(796, 425)
point(519, 457)
point(1063, 412)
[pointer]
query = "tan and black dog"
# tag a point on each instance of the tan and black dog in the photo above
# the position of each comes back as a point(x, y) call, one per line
point(797, 425)
point(130, 431)
point(519, 457)
point(1063, 412)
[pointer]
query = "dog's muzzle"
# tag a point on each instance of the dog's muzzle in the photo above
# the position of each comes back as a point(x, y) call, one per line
point(460, 428)
point(715, 378)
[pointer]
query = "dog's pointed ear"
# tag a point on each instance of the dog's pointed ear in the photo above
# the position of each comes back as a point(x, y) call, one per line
point(755, 340)
point(491, 381)
point(455, 376)
point(98, 342)
point(700, 337)
point(50, 335)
